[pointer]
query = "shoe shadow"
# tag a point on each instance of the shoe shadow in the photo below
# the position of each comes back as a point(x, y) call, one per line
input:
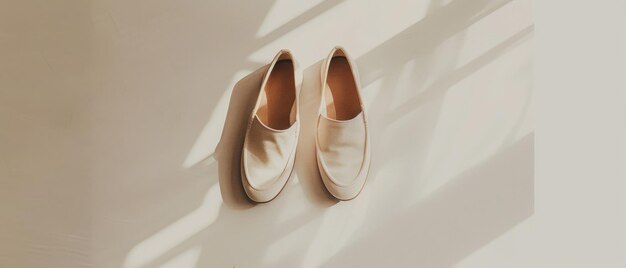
point(228, 151)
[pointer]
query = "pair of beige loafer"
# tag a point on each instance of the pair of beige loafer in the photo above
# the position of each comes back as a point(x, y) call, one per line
point(342, 137)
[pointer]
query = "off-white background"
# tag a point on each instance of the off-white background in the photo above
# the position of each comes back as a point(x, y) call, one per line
point(120, 123)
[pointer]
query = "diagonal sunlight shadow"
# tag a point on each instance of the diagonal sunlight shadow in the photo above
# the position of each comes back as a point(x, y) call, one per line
point(440, 24)
point(450, 79)
point(457, 74)
point(437, 89)
point(294, 23)
point(176, 233)
point(219, 238)
point(456, 219)
point(420, 42)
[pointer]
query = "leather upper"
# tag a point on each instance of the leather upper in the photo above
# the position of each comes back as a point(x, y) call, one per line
point(266, 153)
point(341, 148)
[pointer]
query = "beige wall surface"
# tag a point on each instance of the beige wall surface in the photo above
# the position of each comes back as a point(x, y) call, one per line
point(120, 123)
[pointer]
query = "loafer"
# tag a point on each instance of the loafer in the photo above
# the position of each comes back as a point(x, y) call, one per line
point(271, 137)
point(342, 138)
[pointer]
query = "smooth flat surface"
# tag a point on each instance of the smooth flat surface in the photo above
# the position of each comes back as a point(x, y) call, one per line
point(119, 154)
point(120, 123)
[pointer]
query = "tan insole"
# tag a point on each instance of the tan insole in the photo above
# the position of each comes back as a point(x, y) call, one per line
point(278, 96)
point(342, 99)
